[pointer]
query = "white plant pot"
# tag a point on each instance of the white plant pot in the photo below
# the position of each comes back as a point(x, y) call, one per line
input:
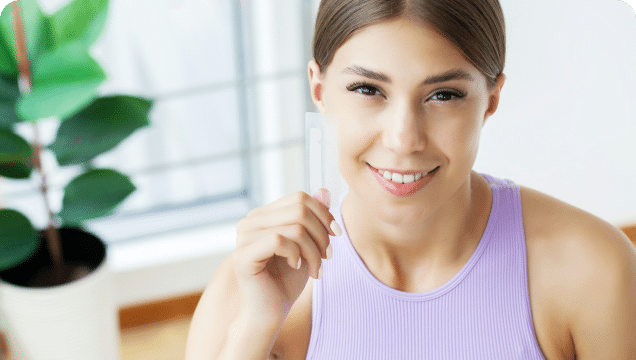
point(74, 321)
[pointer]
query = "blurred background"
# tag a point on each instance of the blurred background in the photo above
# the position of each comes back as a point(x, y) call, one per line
point(230, 83)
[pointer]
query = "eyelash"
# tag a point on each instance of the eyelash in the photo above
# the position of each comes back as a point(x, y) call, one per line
point(362, 85)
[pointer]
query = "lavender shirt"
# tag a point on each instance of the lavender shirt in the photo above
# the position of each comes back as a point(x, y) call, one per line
point(481, 313)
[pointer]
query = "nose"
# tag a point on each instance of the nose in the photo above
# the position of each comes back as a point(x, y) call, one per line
point(404, 130)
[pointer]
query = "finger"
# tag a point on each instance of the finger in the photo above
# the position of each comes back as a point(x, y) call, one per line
point(252, 259)
point(319, 205)
point(309, 250)
point(315, 228)
point(323, 196)
point(270, 239)
point(292, 215)
point(282, 202)
point(275, 214)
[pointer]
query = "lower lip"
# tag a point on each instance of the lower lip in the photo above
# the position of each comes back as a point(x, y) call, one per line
point(402, 190)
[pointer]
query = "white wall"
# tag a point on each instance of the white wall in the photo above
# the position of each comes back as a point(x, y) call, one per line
point(566, 124)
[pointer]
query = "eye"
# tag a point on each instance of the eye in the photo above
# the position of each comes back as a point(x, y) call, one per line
point(364, 89)
point(447, 95)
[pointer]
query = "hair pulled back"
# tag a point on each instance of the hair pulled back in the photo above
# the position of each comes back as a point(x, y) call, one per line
point(476, 27)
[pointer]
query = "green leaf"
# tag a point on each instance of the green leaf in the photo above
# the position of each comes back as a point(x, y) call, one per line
point(98, 128)
point(8, 96)
point(15, 156)
point(8, 62)
point(64, 81)
point(94, 194)
point(18, 239)
point(81, 19)
point(37, 28)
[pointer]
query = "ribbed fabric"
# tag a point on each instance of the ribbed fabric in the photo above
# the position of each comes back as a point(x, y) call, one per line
point(483, 312)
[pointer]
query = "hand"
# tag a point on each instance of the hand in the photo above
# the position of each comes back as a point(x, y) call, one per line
point(279, 246)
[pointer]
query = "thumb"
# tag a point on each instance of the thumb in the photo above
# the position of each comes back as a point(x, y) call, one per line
point(324, 196)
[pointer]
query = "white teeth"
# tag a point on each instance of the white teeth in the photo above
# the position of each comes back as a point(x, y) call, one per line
point(400, 178)
point(407, 179)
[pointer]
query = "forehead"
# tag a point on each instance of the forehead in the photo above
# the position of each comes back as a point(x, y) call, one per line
point(401, 47)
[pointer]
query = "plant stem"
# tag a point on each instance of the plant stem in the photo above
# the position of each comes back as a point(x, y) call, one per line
point(51, 235)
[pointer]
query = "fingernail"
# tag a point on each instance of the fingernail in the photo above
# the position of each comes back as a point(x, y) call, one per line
point(299, 262)
point(335, 228)
point(329, 252)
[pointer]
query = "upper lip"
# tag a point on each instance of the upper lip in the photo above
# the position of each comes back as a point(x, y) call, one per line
point(404, 172)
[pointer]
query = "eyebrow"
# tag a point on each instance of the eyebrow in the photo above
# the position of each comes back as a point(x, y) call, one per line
point(455, 74)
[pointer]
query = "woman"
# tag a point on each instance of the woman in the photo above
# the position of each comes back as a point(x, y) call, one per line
point(423, 257)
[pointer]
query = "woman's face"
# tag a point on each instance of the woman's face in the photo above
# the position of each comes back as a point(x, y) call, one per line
point(409, 109)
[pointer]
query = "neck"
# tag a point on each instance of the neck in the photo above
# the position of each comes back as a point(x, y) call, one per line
point(443, 238)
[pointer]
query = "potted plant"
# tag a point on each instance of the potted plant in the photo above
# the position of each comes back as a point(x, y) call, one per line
point(56, 298)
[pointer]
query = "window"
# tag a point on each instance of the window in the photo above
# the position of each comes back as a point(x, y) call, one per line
point(229, 82)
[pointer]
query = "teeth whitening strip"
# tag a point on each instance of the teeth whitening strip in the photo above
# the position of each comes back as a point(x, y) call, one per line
point(321, 155)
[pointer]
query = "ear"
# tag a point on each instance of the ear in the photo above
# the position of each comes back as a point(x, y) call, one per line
point(315, 84)
point(493, 97)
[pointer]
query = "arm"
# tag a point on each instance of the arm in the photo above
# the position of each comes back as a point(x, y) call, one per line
point(250, 295)
point(242, 331)
point(604, 312)
point(219, 331)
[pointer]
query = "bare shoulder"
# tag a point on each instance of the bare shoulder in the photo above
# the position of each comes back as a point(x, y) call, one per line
point(582, 280)
point(292, 341)
point(564, 233)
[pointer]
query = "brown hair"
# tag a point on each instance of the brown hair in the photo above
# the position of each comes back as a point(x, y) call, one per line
point(476, 27)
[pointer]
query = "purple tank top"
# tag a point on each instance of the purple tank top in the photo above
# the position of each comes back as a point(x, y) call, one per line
point(483, 312)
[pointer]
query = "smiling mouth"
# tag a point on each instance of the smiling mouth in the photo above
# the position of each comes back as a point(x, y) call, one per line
point(402, 177)
point(405, 186)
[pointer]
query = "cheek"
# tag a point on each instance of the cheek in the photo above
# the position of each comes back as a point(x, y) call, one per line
point(459, 137)
point(354, 138)
point(455, 126)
